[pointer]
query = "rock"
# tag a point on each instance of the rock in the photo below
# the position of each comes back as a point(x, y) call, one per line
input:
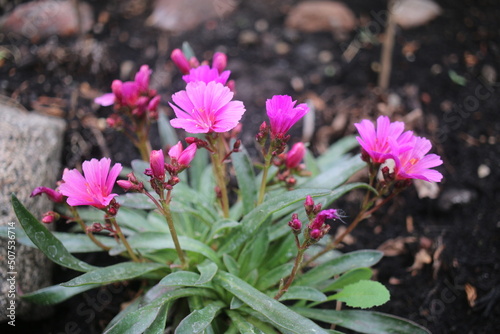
point(30, 150)
point(41, 19)
point(318, 16)
point(185, 15)
point(414, 13)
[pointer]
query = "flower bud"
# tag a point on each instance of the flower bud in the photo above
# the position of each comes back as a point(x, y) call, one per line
point(157, 163)
point(50, 217)
point(309, 205)
point(295, 155)
point(142, 78)
point(295, 223)
point(316, 234)
point(180, 61)
point(52, 194)
point(219, 61)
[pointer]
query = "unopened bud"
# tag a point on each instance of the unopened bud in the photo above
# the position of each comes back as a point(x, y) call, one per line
point(295, 155)
point(315, 234)
point(95, 228)
point(309, 205)
point(236, 146)
point(295, 224)
point(219, 61)
point(180, 61)
point(50, 217)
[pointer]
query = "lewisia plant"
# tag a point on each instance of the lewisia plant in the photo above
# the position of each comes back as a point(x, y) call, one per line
point(218, 241)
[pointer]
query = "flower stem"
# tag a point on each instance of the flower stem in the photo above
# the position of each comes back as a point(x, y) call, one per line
point(119, 232)
point(168, 217)
point(76, 217)
point(142, 143)
point(218, 165)
point(263, 183)
point(296, 266)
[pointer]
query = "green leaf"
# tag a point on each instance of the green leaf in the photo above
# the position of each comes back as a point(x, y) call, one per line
point(220, 226)
point(363, 294)
point(207, 272)
point(231, 265)
point(150, 241)
point(336, 174)
point(303, 292)
point(337, 266)
point(246, 179)
point(55, 294)
point(350, 277)
point(243, 326)
point(139, 166)
point(254, 219)
point(180, 278)
point(235, 303)
point(275, 313)
point(198, 165)
point(45, 241)
point(311, 163)
point(158, 325)
point(368, 322)
point(272, 277)
point(136, 220)
point(198, 320)
point(281, 252)
point(336, 150)
point(457, 78)
point(135, 201)
point(168, 137)
point(254, 253)
point(117, 272)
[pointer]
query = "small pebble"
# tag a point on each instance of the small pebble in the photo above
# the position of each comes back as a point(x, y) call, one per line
point(261, 25)
point(297, 84)
point(248, 37)
point(483, 171)
point(325, 57)
point(282, 48)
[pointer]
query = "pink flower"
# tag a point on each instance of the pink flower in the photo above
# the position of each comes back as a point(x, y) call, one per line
point(180, 156)
point(322, 216)
point(105, 100)
point(295, 155)
point(94, 187)
point(282, 114)
point(416, 163)
point(142, 79)
point(206, 107)
point(206, 74)
point(376, 142)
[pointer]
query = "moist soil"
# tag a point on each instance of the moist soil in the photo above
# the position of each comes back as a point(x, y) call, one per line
point(442, 263)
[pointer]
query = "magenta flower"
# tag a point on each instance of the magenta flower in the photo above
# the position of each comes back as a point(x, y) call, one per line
point(206, 107)
point(282, 114)
point(206, 74)
point(376, 142)
point(180, 156)
point(219, 61)
point(180, 61)
point(295, 155)
point(94, 187)
point(416, 163)
point(322, 216)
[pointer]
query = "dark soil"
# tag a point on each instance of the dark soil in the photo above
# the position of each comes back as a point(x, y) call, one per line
point(439, 85)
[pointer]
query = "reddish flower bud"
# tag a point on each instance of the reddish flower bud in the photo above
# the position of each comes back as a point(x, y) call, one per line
point(295, 223)
point(180, 156)
point(316, 234)
point(180, 61)
point(219, 61)
point(50, 217)
point(295, 155)
point(153, 103)
point(126, 185)
point(157, 163)
point(142, 78)
point(309, 204)
point(52, 194)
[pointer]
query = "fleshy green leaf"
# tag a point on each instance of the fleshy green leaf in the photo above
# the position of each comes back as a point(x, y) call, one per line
point(243, 326)
point(158, 325)
point(337, 266)
point(45, 241)
point(180, 278)
point(220, 226)
point(275, 313)
point(231, 265)
point(168, 137)
point(246, 179)
point(207, 272)
point(117, 272)
point(135, 201)
point(273, 276)
point(368, 322)
point(336, 174)
point(363, 294)
point(198, 320)
point(303, 292)
point(336, 150)
point(254, 253)
point(149, 241)
point(254, 219)
point(350, 277)
point(55, 294)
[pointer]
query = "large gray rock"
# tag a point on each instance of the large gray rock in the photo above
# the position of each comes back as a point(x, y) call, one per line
point(30, 151)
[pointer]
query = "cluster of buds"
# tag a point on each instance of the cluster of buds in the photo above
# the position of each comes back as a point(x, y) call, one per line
point(290, 164)
point(317, 227)
point(98, 227)
point(179, 160)
point(50, 217)
point(131, 184)
point(194, 71)
point(133, 99)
